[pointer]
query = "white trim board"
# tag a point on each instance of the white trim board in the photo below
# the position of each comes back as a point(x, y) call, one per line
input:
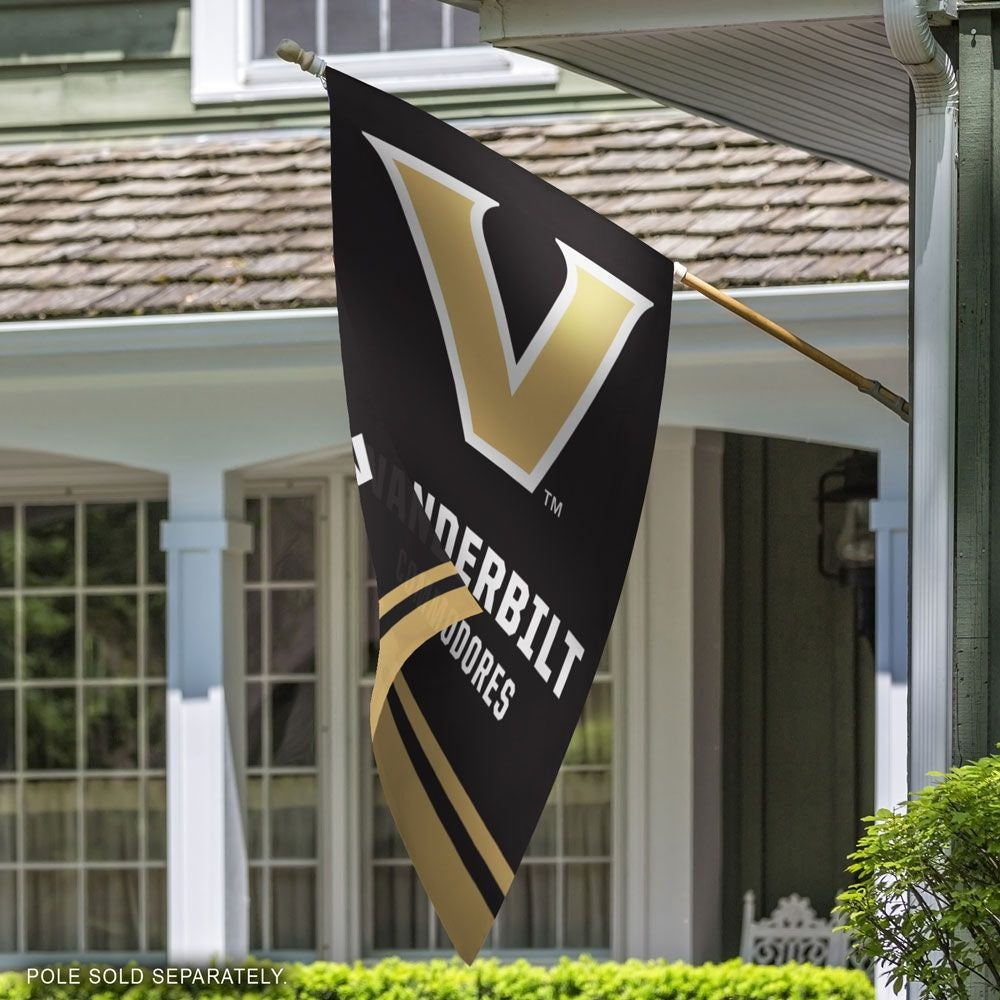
point(303, 329)
point(721, 374)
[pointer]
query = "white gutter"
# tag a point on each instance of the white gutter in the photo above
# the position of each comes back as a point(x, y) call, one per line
point(278, 343)
point(300, 329)
point(175, 332)
point(933, 250)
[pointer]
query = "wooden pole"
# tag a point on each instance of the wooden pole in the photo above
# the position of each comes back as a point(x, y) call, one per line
point(869, 386)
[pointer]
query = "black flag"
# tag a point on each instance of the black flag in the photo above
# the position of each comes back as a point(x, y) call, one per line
point(504, 350)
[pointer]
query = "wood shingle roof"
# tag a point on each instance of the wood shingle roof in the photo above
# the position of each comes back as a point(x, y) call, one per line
point(228, 223)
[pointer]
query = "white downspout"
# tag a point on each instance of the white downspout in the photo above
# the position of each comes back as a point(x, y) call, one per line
point(932, 244)
point(933, 430)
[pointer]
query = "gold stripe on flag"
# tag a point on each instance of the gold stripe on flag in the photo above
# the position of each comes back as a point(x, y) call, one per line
point(411, 632)
point(414, 584)
point(458, 901)
point(462, 804)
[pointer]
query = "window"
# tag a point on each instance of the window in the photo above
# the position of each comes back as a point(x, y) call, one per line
point(399, 45)
point(561, 897)
point(352, 27)
point(82, 729)
point(281, 699)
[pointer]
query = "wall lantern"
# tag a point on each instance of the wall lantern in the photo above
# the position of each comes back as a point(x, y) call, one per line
point(845, 543)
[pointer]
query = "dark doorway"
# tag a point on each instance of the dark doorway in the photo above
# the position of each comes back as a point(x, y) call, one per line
point(798, 677)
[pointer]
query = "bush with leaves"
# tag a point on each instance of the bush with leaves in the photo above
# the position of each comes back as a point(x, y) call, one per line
point(926, 901)
point(488, 979)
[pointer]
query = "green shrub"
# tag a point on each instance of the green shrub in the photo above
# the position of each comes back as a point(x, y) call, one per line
point(927, 896)
point(489, 980)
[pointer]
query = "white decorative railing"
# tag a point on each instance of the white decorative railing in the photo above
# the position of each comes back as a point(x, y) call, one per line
point(793, 933)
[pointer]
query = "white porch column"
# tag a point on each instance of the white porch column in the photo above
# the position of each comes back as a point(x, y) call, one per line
point(671, 827)
point(207, 887)
point(889, 520)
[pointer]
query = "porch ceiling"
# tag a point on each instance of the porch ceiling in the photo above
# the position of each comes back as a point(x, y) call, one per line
point(811, 74)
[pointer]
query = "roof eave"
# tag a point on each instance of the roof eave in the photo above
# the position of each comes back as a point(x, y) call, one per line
point(816, 74)
point(504, 22)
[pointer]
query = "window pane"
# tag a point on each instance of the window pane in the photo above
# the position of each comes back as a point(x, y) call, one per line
point(293, 537)
point(352, 26)
point(111, 814)
point(112, 910)
point(255, 818)
point(254, 725)
point(50, 816)
point(253, 632)
point(156, 635)
point(51, 907)
point(415, 24)
point(156, 819)
point(401, 912)
point(293, 632)
point(587, 813)
point(8, 911)
point(8, 761)
point(293, 908)
point(6, 546)
point(591, 742)
point(7, 638)
point(111, 543)
point(587, 906)
point(156, 558)
point(287, 19)
point(257, 876)
point(464, 27)
point(49, 546)
point(156, 726)
point(49, 637)
point(156, 909)
point(51, 728)
point(111, 727)
point(293, 726)
point(109, 645)
point(252, 514)
point(386, 842)
point(544, 841)
point(528, 913)
point(8, 821)
point(293, 816)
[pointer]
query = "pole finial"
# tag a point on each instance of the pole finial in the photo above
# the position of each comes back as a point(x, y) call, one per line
point(292, 52)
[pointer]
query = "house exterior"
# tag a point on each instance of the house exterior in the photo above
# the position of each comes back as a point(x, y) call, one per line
point(187, 637)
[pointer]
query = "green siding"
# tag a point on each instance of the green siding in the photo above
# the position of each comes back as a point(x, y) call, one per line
point(976, 692)
point(90, 68)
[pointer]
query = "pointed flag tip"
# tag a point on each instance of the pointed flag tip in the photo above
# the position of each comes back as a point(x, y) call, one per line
point(469, 942)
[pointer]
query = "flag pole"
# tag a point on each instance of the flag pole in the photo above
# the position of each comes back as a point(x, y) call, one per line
point(310, 62)
point(869, 386)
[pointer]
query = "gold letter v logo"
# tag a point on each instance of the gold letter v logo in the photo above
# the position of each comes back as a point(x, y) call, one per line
point(519, 413)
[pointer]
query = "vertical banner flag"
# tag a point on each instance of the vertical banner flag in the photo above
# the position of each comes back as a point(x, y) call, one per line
point(504, 350)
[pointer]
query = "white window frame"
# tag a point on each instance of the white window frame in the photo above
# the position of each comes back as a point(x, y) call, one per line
point(316, 487)
point(71, 486)
point(223, 70)
point(338, 648)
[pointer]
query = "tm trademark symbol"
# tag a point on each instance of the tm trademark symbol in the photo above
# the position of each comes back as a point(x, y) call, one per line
point(553, 504)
